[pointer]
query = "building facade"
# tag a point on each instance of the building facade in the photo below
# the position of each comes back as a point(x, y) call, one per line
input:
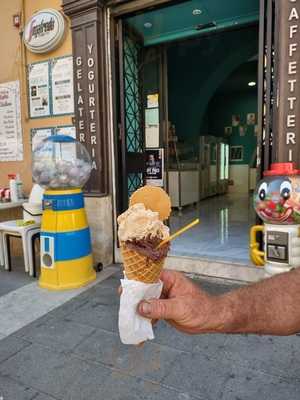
point(94, 36)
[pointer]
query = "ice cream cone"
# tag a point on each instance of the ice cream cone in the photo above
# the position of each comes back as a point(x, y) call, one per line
point(139, 267)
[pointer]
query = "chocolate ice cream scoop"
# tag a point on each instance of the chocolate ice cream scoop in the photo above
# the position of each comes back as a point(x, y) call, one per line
point(148, 247)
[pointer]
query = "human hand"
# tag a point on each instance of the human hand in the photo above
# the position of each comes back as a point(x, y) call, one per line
point(183, 305)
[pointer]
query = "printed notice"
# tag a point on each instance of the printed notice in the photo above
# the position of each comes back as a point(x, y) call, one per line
point(39, 93)
point(11, 142)
point(38, 135)
point(62, 86)
point(68, 149)
point(155, 167)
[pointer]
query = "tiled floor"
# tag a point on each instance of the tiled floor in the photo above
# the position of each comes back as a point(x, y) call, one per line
point(223, 232)
point(74, 353)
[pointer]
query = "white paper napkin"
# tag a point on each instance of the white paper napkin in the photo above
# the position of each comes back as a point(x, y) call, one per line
point(133, 328)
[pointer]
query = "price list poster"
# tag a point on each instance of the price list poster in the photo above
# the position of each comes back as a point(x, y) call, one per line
point(11, 142)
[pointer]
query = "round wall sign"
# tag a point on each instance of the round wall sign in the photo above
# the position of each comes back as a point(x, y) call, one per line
point(44, 31)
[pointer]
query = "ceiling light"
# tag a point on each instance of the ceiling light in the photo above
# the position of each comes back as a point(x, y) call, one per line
point(197, 11)
point(251, 84)
point(148, 25)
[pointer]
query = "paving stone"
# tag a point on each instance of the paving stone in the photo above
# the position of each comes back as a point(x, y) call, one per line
point(216, 288)
point(168, 336)
point(250, 385)
point(14, 279)
point(10, 345)
point(199, 375)
point(274, 355)
point(12, 390)
point(96, 315)
point(72, 305)
point(55, 374)
point(112, 282)
point(42, 396)
point(60, 334)
point(104, 295)
point(123, 387)
point(150, 361)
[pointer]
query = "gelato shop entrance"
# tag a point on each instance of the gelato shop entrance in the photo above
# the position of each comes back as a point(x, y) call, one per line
point(188, 114)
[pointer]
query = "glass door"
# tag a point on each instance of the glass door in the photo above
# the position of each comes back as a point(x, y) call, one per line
point(131, 125)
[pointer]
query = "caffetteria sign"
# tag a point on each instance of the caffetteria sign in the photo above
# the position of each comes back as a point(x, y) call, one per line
point(44, 31)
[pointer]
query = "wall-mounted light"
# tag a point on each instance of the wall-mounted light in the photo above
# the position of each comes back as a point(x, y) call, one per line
point(251, 84)
point(197, 11)
point(148, 25)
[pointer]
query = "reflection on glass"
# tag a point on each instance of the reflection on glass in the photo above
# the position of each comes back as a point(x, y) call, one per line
point(223, 225)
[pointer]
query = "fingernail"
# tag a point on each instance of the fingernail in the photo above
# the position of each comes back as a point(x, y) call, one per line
point(146, 308)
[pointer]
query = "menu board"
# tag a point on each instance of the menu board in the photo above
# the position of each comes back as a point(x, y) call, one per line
point(62, 86)
point(11, 143)
point(39, 89)
point(38, 135)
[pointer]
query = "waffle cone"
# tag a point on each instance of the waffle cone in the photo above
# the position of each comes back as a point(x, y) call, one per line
point(139, 267)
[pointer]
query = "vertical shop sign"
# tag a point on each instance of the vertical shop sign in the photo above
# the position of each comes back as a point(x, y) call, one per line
point(86, 104)
point(88, 36)
point(288, 91)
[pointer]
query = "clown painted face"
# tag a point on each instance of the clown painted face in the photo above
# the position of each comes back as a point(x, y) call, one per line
point(277, 200)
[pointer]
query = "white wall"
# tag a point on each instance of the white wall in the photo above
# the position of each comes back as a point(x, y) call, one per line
point(239, 174)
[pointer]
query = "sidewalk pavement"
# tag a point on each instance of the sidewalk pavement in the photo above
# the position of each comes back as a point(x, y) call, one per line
point(74, 353)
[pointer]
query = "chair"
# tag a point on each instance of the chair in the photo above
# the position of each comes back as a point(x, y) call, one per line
point(27, 232)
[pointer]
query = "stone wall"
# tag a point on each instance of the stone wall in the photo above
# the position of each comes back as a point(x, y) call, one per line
point(100, 217)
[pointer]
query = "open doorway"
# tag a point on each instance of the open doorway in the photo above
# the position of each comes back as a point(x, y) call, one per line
point(193, 83)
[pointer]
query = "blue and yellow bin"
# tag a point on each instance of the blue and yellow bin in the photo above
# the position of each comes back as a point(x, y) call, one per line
point(66, 253)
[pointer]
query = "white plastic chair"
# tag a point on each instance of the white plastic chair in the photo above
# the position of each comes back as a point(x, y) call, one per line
point(11, 228)
point(25, 232)
point(1, 250)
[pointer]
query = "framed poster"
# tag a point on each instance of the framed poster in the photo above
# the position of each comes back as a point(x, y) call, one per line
point(228, 130)
point(69, 150)
point(152, 127)
point(68, 130)
point(236, 153)
point(251, 119)
point(236, 120)
point(39, 90)
point(155, 167)
point(11, 141)
point(38, 135)
point(62, 85)
point(153, 100)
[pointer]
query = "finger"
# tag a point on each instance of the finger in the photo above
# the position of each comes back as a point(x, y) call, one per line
point(168, 279)
point(120, 290)
point(159, 309)
point(141, 344)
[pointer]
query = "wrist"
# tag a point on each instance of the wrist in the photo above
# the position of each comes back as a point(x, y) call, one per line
point(219, 315)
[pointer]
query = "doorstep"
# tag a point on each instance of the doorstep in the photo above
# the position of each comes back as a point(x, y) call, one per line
point(231, 270)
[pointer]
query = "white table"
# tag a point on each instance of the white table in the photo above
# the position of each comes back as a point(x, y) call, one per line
point(11, 204)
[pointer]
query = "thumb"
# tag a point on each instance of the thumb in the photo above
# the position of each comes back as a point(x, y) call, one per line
point(158, 309)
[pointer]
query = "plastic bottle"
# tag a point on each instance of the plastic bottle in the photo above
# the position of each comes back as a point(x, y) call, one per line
point(19, 187)
point(13, 188)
